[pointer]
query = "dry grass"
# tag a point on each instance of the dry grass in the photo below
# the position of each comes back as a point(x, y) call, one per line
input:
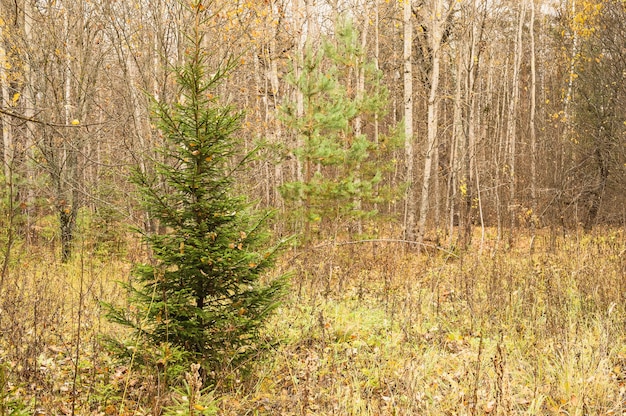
point(367, 330)
point(373, 331)
point(51, 324)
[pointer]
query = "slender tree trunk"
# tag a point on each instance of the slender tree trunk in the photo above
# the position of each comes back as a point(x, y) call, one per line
point(7, 101)
point(512, 124)
point(436, 190)
point(359, 92)
point(500, 156)
point(409, 202)
point(567, 101)
point(8, 151)
point(456, 150)
point(29, 134)
point(437, 26)
point(431, 142)
point(360, 73)
point(273, 102)
point(302, 43)
point(376, 63)
point(533, 129)
point(470, 174)
point(302, 10)
point(66, 206)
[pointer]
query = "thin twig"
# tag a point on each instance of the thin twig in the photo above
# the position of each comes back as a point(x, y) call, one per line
point(45, 123)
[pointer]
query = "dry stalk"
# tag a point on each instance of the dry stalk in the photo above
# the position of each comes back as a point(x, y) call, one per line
point(195, 387)
point(474, 401)
point(499, 364)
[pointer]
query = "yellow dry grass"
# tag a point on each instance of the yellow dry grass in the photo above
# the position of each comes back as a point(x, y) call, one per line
point(368, 329)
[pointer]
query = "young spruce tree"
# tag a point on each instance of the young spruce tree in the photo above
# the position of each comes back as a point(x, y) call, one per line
point(201, 293)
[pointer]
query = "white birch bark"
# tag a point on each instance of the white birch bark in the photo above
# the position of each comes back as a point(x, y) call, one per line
point(7, 130)
point(436, 18)
point(409, 207)
point(512, 121)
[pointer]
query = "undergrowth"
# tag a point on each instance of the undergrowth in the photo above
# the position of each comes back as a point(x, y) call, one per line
point(368, 329)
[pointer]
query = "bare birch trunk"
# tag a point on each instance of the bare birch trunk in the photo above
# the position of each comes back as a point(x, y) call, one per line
point(469, 174)
point(7, 101)
point(431, 142)
point(437, 25)
point(409, 203)
point(533, 131)
point(512, 123)
point(456, 150)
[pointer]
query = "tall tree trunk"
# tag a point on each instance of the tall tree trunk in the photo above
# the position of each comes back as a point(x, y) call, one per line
point(273, 102)
point(7, 188)
point(468, 175)
point(409, 202)
point(456, 150)
point(533, 129)
point(29, 134)
point(359, 93)
point(567, 101)
point(7, 101)
point(66, 206)
point(512, 124)
point(300, 169)
point(431, 142)
point(500, 155)
point(376, 63)
point(437, 20)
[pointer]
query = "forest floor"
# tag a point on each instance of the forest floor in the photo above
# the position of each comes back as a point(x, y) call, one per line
point(367, 329)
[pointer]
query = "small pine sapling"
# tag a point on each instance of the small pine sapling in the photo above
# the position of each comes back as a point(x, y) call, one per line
point(342, 164)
